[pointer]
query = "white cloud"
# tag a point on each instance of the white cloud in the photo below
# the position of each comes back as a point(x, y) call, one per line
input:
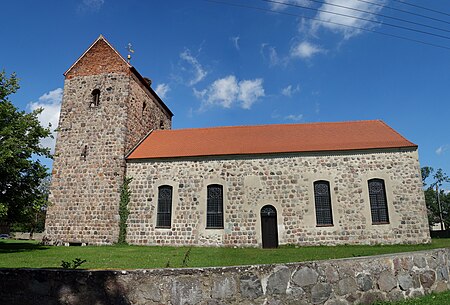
point(197, 71)
point(294, 117)
point(162, 90)
point(90, 5)
point(224, 91)
point(228, 91)
point(250, 91)
point(305, 50)
point(235, 41)
point(270, 52)
point(200, 94)
point(273, 56)
point(51, 106)
point(289, 90)
point(442, 149)
point(336, 13)
point(331, 15)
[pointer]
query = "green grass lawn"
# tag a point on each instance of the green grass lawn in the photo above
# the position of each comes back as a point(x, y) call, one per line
point(29, 254)
point(432, 299)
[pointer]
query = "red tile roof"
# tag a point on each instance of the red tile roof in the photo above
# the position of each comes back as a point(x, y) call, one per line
point(266, 139)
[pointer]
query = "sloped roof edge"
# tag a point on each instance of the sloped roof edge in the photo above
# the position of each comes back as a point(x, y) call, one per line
point(146, 85)
point(267, 139)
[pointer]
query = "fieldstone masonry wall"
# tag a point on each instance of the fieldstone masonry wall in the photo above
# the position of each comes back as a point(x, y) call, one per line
point(335, 282)
point(89, 164)
point(144, 114)
point(286, 182)
point(85, 189)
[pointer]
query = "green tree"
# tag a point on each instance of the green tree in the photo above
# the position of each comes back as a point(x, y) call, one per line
point(21, 173)
point(35, 213)
point(438, 205)
point(426, 172)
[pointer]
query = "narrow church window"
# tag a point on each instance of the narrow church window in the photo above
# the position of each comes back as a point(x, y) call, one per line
point(161, 124)
point(164, 215)
point(144, 105)
point(214, 209)
point(84, 152)
point(322, 198)
point(378, 202)
point(95, 102)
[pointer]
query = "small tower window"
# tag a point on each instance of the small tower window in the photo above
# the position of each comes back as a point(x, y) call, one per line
point(95, 102)
point(144, 106)
point(84, 152)
point(161, 124)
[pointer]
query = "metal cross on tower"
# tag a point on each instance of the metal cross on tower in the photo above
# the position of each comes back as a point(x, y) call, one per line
point(130, 50)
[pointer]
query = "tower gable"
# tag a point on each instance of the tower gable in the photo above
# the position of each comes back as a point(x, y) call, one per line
point(99, 58)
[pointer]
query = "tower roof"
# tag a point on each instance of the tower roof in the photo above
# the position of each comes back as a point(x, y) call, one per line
point(102, 57)
point(267, 139)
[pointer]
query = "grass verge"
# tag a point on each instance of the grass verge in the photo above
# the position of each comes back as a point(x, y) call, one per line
point(29, 254)
point(441, 298)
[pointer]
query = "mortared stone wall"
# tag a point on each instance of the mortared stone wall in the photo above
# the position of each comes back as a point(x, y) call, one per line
point(284, 181)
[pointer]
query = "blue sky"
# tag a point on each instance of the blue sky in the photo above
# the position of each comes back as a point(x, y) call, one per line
point(217, 65)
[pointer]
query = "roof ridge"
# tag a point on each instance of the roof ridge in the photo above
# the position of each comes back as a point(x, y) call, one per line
point(267, 125)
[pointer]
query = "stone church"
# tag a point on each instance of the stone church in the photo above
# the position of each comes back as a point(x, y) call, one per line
point(259, 186)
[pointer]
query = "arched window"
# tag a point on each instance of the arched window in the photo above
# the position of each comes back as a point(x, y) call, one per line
point(322, 198)
point(164, 216)
point(378, 202)
point(214, 208)
point(95, 98)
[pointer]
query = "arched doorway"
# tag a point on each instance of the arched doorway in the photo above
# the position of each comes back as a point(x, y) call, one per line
point(269, 228)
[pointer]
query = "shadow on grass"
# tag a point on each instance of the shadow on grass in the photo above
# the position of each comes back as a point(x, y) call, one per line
point(8, 247)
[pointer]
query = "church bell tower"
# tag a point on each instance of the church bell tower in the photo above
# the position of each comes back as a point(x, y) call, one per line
point(107, 108)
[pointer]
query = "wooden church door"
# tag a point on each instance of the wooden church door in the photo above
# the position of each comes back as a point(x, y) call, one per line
point(269, 227)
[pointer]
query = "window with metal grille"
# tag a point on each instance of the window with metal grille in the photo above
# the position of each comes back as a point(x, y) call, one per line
point(164, 215)
point(322, 198)
point(214, 209)
point(378, 202)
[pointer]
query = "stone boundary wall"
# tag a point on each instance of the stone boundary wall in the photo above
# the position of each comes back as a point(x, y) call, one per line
point(334, 282)
point(26, 235)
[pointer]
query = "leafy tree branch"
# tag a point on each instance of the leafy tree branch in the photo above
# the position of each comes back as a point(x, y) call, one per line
point(20, 172)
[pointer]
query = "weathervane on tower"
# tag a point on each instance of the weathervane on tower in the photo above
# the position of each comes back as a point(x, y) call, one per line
point(130, 50)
